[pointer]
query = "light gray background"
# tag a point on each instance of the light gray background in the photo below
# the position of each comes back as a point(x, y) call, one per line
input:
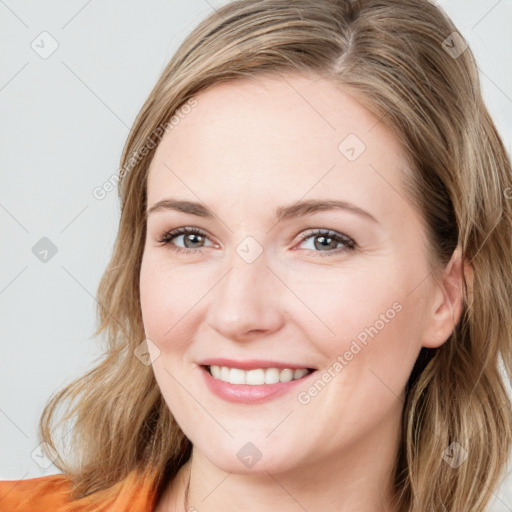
point(63, 124)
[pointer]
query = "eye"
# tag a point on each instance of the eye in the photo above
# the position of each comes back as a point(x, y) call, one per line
point(325, 239)
point(322, 241)
point(192, 238)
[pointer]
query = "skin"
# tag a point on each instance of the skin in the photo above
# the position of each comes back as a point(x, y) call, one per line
point(247, 148)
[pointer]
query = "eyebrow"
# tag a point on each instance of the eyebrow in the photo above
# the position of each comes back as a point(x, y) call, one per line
point(298, 209)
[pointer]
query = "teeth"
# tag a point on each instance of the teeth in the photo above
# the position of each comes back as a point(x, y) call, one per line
point(257, 376)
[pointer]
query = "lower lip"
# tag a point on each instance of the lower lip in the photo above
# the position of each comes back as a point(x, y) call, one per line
point(249, 394)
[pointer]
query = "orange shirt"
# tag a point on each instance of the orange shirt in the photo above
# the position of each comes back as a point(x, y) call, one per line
point(51, 494)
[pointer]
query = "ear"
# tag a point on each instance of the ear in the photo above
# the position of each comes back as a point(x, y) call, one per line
point(448, 301)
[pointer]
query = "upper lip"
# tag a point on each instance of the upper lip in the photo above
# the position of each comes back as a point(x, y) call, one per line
point(250, 364)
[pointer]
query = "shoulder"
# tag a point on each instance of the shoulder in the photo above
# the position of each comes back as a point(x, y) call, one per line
point(137, 491)
point(41, 494)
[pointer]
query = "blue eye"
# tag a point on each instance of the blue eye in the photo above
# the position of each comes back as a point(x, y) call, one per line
point(190, 235)
point(326, 239)
point(322, 239)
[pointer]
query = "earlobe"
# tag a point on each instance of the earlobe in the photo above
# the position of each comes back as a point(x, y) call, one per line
point(448, 301)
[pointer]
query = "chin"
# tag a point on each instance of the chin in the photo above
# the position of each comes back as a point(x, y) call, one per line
point(252, 457)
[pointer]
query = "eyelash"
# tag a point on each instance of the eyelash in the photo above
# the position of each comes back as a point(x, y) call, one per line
point(349, 243)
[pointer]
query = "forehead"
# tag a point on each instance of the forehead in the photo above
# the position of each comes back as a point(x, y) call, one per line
point(283, 137)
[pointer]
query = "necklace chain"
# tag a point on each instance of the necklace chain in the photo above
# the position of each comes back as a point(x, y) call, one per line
point(185, 503)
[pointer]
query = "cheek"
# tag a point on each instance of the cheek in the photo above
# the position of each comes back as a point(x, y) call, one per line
point(339, 305)
point(364, 323)
point(164, 299)
point(174, 299)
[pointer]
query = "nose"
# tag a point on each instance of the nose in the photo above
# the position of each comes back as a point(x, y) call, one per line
point(246, 301)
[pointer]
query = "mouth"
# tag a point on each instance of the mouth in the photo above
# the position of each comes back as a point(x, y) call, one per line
point(256, 376)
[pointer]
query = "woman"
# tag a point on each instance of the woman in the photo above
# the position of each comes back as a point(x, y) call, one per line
point(310, 288)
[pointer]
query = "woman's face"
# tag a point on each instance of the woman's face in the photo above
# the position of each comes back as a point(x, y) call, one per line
point(260, 288)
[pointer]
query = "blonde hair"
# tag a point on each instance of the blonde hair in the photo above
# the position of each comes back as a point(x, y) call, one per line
point(397, 58)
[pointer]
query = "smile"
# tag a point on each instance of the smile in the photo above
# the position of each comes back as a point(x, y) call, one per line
point(257, 376)
point(253, 385)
